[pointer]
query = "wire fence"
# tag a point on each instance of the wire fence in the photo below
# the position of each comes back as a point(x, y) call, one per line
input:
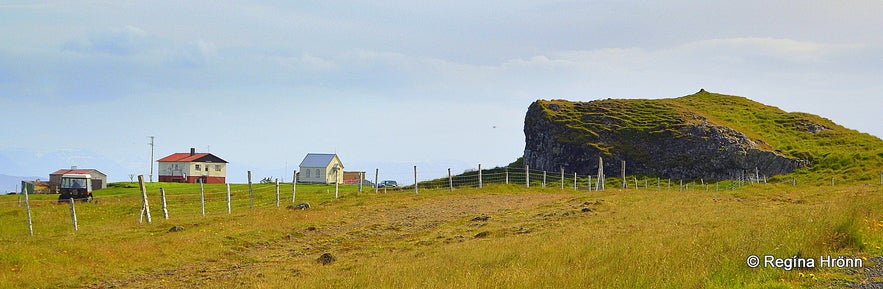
point(186, 202)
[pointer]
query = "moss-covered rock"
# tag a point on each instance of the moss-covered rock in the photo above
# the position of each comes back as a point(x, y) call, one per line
point(704, 135)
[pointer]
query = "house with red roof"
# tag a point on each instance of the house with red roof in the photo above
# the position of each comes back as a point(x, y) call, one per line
point(99, 179)
point(192, 167)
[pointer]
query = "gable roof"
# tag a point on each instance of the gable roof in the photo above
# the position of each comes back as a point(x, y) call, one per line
point(187, 157)
point(318, 160)
point(77, 171)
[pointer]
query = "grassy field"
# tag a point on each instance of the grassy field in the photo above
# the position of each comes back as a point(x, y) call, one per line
point(496, 237)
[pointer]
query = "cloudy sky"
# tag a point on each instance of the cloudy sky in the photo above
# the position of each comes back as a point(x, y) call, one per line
point(392, 84)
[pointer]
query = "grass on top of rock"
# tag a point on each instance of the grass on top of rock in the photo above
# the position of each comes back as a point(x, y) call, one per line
point(831, 149)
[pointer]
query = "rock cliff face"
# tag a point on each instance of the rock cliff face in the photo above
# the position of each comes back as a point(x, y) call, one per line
point(654, 137)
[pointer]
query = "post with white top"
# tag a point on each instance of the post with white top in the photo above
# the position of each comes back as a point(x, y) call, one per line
point(562, 178)
point(624, 182)
point(165, 209)
point(28, 211)
point(507, 175)
point(145, 206)
point(293, 185)
point(230, 208)
point(600, 185)
point(527, 176)
point(250, 192)
point(574, 181)
point(73, 213)
point(202, 198)
point(479, 176)
point(450, 181)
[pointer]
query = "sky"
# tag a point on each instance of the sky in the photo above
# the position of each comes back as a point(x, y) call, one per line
point(394, 84)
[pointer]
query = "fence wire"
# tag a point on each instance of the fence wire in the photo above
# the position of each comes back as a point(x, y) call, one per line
point(186, 203)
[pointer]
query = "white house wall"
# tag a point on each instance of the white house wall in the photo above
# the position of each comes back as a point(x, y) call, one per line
point(189, 169)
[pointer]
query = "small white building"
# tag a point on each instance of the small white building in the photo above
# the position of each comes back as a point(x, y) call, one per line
point(321, 169)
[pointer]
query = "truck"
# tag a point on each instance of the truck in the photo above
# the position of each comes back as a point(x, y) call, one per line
point(75, 186)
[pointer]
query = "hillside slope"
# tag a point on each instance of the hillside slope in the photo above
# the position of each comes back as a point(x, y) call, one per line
point(703, 135)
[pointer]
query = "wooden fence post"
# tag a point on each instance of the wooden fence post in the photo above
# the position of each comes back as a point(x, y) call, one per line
point(28, 211)
point(229, 208)
point(527, 176)
point(277, 193)
point(165, 210)
point(658, 184)
point(202, 198)
point(450, 181)
point(250, 192)
point(562, 178)
point(624, 181)
point(361, 177)
point(73, 213)
point(507, 175)
point(416, 188)
point(479, 176)
point(336, 188)
point(636, 182)
point(293, 186)
point(590, 182)
point(574, 181)
point(145, 206)
point(600, 185)
point(376, 180)
point(544, 179)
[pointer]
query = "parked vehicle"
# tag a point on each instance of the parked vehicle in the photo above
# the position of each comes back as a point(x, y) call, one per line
point(75, 186)
point(388, 184)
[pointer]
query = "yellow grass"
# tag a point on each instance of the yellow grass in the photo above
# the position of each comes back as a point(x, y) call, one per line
point(537, 238)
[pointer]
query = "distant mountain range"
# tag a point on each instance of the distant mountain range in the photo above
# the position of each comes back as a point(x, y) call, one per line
point(8, 184)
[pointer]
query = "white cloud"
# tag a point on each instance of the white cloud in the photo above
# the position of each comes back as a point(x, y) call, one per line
point(419, 64)
point(126, 40)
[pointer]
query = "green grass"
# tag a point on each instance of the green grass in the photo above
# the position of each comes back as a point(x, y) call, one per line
point(533, 238)
point(847, 155)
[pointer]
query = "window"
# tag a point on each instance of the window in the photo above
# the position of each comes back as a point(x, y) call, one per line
point(308, 173)
point(198, 167)
point(217, 168)
point(318, 174)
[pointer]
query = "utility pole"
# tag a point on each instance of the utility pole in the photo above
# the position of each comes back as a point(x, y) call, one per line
point(151, 159)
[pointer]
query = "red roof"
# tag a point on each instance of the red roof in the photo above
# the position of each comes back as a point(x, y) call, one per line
point(187, 157)
point(69, 171)
point(182, 157)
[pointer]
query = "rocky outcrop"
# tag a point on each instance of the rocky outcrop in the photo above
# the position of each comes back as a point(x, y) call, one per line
point(654, 137)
